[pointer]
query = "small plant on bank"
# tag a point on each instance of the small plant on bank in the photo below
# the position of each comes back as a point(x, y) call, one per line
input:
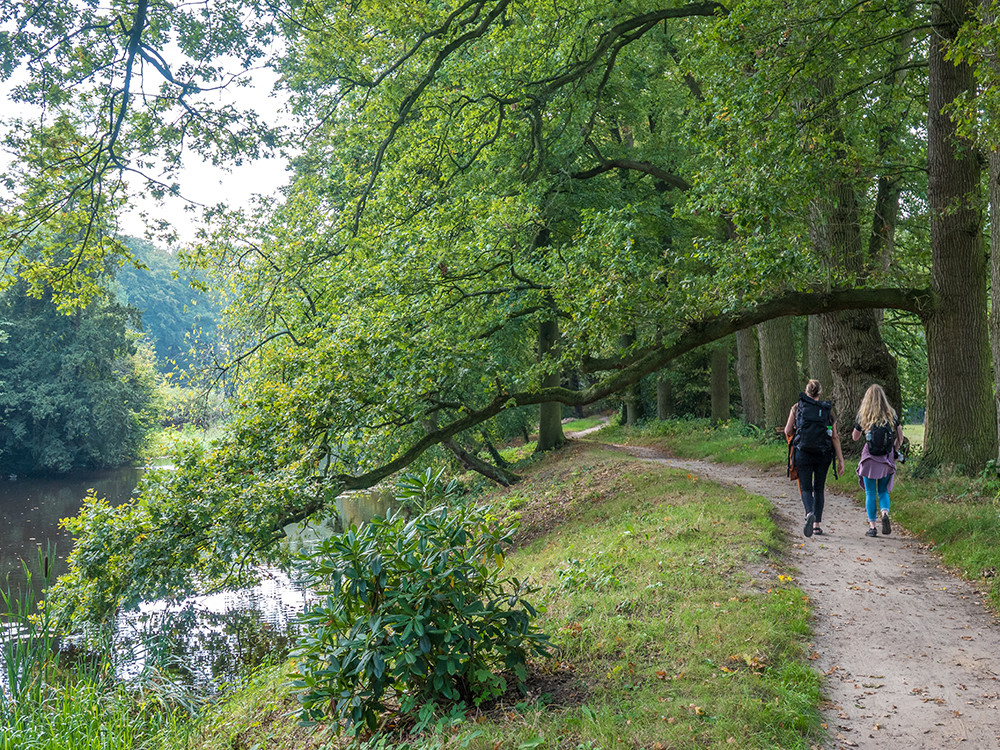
point(596, 574)
point(417, 611)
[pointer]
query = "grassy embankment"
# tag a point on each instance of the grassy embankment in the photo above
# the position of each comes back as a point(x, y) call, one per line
point(677, 622)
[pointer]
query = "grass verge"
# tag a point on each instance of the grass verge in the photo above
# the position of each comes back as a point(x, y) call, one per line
point(44, 707)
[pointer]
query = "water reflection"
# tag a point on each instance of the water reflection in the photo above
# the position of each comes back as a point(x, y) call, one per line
point(30, 510)
point(208, 640)
point(201, 641)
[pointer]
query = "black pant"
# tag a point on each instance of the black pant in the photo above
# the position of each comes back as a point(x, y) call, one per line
point(812, 469)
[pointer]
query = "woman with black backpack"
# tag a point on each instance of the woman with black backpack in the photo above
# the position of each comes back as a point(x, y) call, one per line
point(878, 424)
point(812, 428)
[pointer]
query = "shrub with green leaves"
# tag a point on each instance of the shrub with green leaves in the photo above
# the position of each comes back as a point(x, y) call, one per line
point(418, 493)
point(418, 611)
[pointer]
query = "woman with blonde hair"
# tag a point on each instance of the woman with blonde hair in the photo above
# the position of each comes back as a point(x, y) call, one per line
point(812, 428)
point(878, 424)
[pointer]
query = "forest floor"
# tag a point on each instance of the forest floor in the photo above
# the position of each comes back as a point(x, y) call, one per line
point(909, 653)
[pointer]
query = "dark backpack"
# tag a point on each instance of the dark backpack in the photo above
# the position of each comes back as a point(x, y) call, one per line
point(813, 421)
point(880, 439)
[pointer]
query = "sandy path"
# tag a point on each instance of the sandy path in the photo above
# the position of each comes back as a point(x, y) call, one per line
point(910, 654)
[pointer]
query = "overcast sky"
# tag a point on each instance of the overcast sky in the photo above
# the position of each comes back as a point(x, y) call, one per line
point(199, 181)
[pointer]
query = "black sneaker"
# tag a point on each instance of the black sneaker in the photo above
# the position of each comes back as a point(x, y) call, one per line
point(886, 526)
point(808, 528)
point(871, 531)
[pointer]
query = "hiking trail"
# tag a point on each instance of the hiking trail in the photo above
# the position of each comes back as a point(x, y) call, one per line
point(909, 653)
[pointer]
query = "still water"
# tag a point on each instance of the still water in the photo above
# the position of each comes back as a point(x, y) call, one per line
point(203, 640)
point(30, 510)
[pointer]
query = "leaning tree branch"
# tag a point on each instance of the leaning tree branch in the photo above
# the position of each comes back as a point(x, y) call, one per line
point(644, 167)
point(922, 302)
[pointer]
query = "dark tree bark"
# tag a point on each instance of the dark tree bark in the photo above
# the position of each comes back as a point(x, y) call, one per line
point(883, 236)
point(857, 354)
point(632, 410)
point(494, 453)
point(550, 432)
point(664, 397)
point(720, 382)
point(818, 362)
point(994, 167)
point(748, 374)
point(470, 461)
point(779, 372)
point(993, 160)
point(961, 428)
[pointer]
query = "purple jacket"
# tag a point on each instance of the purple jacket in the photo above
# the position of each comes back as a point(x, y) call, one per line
point(876, 467)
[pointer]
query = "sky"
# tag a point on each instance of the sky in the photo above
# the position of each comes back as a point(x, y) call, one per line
point(208, 185)
point(199, 181)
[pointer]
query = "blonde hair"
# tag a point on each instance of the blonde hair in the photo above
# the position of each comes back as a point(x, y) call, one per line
point(875, 409)
point(813, 389)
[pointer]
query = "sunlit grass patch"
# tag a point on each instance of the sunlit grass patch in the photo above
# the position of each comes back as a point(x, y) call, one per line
point(731, 442)
point(578, 425)
point(671, 610)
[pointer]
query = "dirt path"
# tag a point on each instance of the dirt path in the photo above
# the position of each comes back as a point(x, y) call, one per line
point(910, 654)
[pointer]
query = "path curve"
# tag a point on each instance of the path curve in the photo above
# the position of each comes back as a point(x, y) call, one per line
point(910, 654)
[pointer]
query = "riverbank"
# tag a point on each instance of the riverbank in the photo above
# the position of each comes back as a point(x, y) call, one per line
point(689, 614)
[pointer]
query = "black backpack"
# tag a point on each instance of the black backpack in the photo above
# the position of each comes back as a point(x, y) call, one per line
point(813, 421)
point(880, 439)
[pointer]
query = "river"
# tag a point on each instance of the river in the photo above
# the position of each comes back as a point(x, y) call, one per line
point(205, 639)
point(32, 507)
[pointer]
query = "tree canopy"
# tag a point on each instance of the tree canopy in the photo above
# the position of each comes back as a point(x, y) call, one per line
point(469, 177)
point(76, 391)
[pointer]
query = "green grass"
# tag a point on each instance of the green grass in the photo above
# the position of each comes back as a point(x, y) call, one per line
point(578, 425)
point(677, 623)
point(42, 707)
point(915, 432)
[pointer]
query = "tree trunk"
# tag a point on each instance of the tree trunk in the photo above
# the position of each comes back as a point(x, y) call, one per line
point(550, 432)
point(664, 397)
point(855, 351)
point(748, 374)
point(779, 373)
point(575, 382)
point(632, 397)
point(720, 382)
point(994, 195)
point(993, 158)
point(819, 363)
point(961, 425)
point(883, 236)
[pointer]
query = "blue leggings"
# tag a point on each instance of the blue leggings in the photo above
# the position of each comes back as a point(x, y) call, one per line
point(876, 488)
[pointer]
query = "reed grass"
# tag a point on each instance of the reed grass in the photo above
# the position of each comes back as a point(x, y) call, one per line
point(43, 706)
